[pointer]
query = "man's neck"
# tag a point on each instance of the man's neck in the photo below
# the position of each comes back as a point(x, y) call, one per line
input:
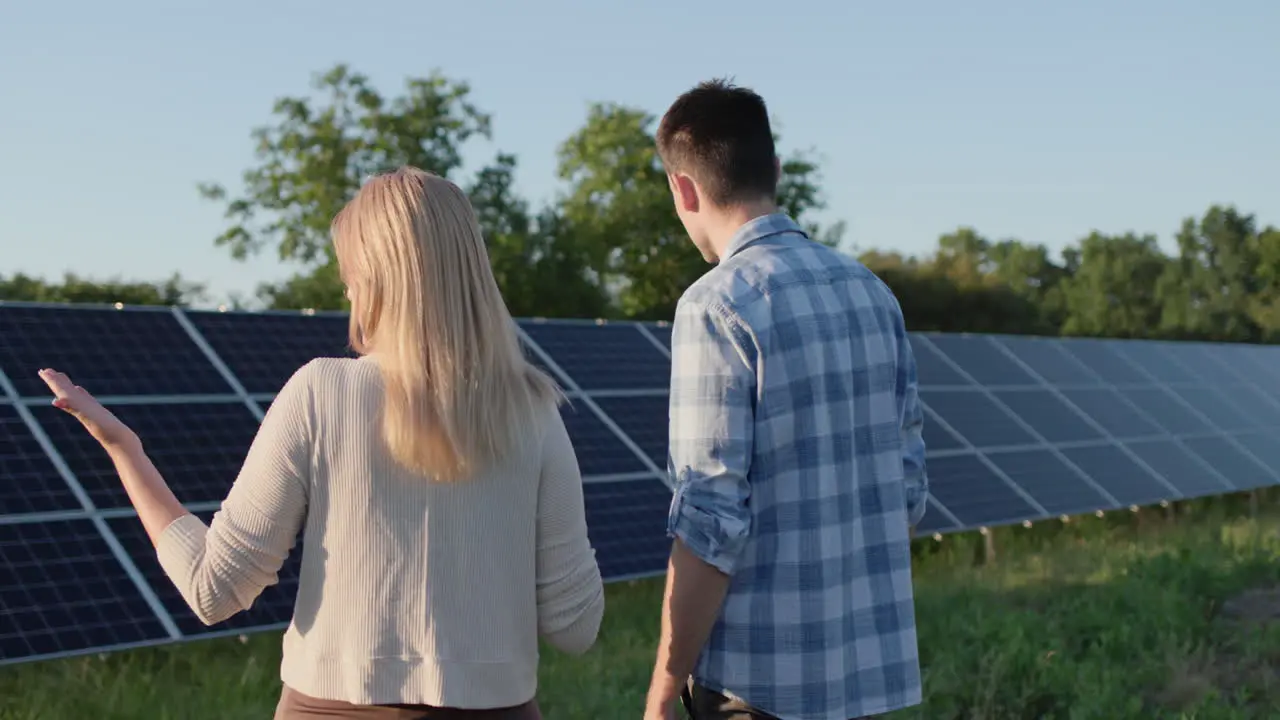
point(732, 219)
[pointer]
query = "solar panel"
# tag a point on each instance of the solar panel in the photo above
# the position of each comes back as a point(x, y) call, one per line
point(1031, 428)
point(644, 419)
point(29, 483)
point(660, 332)
point(627, 523)
point(63, 592)
point(273, 608)
point(600, 357)
point(197, 447)
point(264, 349)
point(143, 352)
point(1016, 428)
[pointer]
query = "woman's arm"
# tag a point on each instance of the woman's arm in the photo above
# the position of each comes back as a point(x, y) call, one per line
point(219, 569)
point(156, 505)
point(570, 592)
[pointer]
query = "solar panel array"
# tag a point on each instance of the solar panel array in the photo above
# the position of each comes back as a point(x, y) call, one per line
point(1017, 429)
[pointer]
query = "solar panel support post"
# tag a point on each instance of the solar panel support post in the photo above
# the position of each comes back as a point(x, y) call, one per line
point(1138, 518)
point(580, 394)
point(95, 516)
point(988, 546)
point(214, 359)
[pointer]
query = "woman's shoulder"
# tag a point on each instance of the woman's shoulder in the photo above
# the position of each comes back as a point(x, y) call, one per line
point(332, 373)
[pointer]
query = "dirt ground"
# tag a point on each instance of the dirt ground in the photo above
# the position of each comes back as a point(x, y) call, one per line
point(1260, 605)
point(1227, 668)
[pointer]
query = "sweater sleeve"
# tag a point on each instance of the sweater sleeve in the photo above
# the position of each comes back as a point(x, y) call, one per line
point(570, 592)
point(220, 569)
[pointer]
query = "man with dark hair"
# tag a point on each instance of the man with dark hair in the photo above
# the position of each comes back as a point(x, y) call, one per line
point(795, 450)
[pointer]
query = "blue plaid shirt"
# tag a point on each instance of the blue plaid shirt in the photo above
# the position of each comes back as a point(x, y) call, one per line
point(798, 465)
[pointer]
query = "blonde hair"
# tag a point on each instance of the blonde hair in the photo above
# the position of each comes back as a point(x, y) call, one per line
point(426, 307)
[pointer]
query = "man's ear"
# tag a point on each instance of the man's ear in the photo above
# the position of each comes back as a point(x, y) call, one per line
point(686, 192)
point(777, 168)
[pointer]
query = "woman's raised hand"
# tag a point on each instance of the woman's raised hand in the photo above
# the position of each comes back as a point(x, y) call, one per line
point(105, 427)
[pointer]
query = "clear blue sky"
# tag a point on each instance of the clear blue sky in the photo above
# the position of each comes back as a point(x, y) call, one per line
point(1033, 120)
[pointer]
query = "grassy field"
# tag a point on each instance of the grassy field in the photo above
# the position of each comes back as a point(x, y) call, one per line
point(1102, 618)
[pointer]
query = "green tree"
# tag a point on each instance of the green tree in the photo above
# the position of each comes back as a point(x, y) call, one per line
point(1008, 286)
point(539, 264)
point(1264, 306)
point(1114, 286)
point(318, 150)
point(618, 207)
point(1209, 289)
point(76, 289)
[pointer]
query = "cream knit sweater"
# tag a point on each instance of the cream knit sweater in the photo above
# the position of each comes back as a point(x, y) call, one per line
point(411, 591)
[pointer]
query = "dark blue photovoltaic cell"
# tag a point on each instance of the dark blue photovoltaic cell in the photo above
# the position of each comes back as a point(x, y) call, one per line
point(599, 450)
point(1165, 409)
point(537, 362)
point(934, 520)
point(273, 607)
point(62, 591)
point(661, 332)
point(106, 351)
point(1046, 358)
point(1259, 408)
point(982, 360)
point(1049, 481)
point(197, 447)
point(1048, 415)
point(627, 524)
point(937, 437)
point(1184, 471)
point(1113, 413)
point(264, 350)
point(975, 494)
point(598, 357)
point(644, 419)
point(1099, 357)
point(1257, 365)
point(1244, 472)
point(1156, 359)
point(976, 417)
point(28, 480)
point(1197, 358)
point(1263, 446)
point(1211, 403)
point(931, 369)
point(1114, 471)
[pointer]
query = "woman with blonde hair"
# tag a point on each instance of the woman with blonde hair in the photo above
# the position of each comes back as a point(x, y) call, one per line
point(438, 494)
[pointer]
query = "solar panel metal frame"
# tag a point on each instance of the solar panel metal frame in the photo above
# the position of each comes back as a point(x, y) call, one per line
point(256, 402)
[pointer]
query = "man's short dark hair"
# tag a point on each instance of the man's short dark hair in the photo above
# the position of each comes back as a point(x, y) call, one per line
point(719, 134)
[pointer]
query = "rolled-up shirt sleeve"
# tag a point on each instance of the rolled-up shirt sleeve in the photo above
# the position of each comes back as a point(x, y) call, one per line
point(713, 384)
point(221, 568)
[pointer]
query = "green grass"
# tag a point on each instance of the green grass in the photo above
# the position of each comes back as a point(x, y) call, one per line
point(1098, 619)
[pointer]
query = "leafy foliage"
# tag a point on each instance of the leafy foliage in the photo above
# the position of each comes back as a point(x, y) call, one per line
point(76, 289)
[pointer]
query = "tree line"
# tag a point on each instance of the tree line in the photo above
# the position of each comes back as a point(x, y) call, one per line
point(609, 244)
